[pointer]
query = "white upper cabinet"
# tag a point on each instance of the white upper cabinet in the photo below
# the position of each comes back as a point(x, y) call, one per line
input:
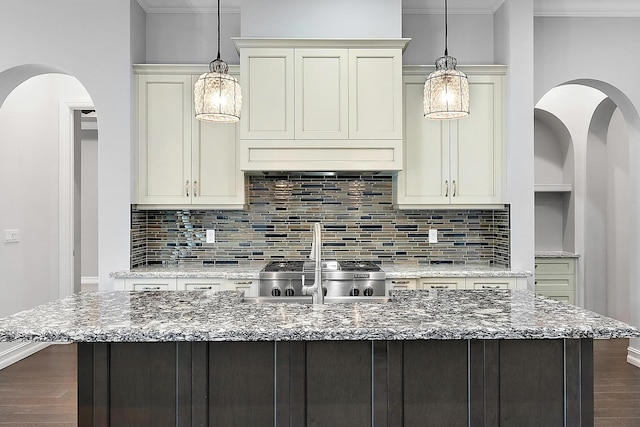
point(321, 104)
point(454, 162)
point(181, 161)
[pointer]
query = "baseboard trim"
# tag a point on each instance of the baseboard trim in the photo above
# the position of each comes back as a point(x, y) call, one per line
point(89, 283)
point(19, 352)
point(633, 356)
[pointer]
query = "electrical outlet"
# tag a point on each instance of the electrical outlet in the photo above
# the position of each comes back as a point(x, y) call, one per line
point(12, 236)
point(433, 235)
point(211, 236)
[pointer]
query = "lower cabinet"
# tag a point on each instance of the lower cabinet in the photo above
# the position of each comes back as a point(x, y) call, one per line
point(469, 283)
point(400, 285)
point(337, 383)
point(248, 286)
point(555, 278)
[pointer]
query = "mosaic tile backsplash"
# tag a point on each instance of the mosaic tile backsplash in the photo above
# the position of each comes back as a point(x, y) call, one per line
point(358, 217)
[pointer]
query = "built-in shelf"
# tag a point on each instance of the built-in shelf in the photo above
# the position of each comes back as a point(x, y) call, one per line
point(552, 188)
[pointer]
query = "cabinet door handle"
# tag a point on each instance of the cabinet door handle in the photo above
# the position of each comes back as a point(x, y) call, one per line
point(454, 188)
point(400, 282)
point(195, 188)
point(186, 187)
point(446, 188)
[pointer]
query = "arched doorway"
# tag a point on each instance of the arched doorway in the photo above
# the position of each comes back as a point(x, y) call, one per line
point(604, 126)
point(41, 145)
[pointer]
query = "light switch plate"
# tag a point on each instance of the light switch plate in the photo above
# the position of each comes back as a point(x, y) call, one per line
point(211, 236)
point(433, 235)
point(12, 236)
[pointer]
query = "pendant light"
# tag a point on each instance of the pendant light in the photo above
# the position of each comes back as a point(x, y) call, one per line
point(217, 95)
point(446, 91)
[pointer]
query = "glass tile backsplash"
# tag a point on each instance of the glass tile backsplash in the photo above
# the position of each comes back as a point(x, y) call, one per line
point(358, 218)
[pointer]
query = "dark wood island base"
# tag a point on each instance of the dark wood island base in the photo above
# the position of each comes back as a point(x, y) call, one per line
point(545, 382)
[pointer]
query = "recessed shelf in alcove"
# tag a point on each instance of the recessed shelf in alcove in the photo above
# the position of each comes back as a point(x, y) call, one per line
point(553, 188)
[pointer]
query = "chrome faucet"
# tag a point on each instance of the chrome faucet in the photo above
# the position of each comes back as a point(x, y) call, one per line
point(316, 290)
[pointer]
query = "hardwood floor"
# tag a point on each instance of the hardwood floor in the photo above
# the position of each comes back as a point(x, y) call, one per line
point(41, 389)
point(616, 386)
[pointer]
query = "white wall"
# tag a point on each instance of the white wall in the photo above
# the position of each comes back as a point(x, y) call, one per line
point(92, 41)
point(189, 38)
point(618, 218)
point(89, 203)
point(327, 18)
point(29, 190)
point(513, 44)
point(427, 38)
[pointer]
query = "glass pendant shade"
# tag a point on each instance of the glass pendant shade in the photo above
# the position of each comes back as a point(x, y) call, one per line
point(446, 91)
point(217, 94)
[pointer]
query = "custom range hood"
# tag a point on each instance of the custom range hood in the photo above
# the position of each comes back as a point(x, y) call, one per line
point(321, 104)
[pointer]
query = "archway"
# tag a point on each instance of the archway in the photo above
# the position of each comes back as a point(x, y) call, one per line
point(38, 136)
point(599, 202)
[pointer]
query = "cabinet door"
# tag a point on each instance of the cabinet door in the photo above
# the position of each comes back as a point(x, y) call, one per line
point(216, 175)
point(375, 95)
point(267, 83)
point(477, 145)
point(321, 94)
point(424, 178)
point(443, 283)
point(164, 139)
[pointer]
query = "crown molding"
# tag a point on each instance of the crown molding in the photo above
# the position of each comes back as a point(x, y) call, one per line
point(587, 8)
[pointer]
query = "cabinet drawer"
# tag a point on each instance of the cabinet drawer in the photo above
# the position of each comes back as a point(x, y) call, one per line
point(559, 283)
point(201, 284)
point(150, 284)
point(490, 283)
point(554, 266)
point(443, 283)
point(567, 296)
point(151, 287)
point(249, 287)
point(399, 285)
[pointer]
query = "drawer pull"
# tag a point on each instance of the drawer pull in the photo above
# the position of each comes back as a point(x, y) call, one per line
point(151, 288)
point(202, 287)
point(400, 282)
point(439, 286)
point(243, 283)
point(490, 286)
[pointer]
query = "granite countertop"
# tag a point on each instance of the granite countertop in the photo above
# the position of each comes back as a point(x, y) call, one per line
point(190, 272)
point(411, 271)
point(556, 254)
point(445, 270)
point(120, 316)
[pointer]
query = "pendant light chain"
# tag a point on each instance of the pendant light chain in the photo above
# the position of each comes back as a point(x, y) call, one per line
point(218, 30)
point(446, 29)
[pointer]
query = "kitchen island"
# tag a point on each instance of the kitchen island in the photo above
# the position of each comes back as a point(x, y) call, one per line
point(465, 357)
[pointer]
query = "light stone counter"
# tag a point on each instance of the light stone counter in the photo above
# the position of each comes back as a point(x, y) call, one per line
point(189, 272)
point(222, 316)
point(414, 272)
point(555, 254)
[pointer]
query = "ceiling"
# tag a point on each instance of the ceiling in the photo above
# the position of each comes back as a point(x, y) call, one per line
point(611, 8)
